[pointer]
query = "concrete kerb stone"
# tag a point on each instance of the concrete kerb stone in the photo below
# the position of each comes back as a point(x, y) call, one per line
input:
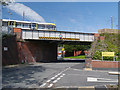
point(87, 88)
point(88, 69)
point(114, 73)
point(75, 88)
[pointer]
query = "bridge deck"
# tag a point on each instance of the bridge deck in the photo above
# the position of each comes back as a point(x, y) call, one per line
point(57, 35)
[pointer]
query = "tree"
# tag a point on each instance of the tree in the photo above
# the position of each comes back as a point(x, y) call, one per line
point(71, 48)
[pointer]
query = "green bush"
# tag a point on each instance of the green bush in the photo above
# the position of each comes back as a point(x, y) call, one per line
point(110, 44)
point(97, 55)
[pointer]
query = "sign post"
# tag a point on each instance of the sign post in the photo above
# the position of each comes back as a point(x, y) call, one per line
point(108, 54)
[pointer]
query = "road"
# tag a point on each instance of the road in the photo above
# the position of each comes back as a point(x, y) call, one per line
point(55, 75)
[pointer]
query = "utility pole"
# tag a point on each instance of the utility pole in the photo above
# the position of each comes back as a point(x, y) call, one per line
point(111, 22)
point(23, 15)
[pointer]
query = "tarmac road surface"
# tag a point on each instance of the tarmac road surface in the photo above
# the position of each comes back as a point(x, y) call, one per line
point(55, 75)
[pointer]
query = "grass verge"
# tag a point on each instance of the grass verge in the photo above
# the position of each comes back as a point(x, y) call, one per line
point(77, 57)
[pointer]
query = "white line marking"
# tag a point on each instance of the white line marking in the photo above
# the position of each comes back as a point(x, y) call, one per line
point(61, 76)
point(92, 79)
point(58, 78)
point(48, 81)
point(55, 81)
point(52, 78)
point(50, 85)
point(43, 85)
point(56, 75)
point(89, 79)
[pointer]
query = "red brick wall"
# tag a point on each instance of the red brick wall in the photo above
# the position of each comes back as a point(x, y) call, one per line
point(101, 38)
point(24, 53)
point(104, 64)
point(11, 55)
point(33, 51)
point(29, 51)
point(96, 35)
point(77, 53)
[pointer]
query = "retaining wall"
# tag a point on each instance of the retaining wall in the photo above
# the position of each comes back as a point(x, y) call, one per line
point(104, 64)
point(14, 52)
point(35, 51)
point(9, 50)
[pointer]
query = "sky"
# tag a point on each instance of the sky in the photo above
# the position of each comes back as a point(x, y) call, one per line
point(73, 16)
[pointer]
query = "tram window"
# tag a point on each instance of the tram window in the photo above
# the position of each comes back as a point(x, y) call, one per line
point(41, 26)
point(33, 25)
point(50, 26)
point(4, 24)
point(18, 24)
point(54, 27)
point(25, 25)
point(11, 23)
point(29, 25)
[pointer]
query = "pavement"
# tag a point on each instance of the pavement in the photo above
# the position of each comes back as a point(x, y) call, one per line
point(56, 75)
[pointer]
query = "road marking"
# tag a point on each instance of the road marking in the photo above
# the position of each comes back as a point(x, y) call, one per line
point(48, 81)
point(43, 85)
point(55, 81)
point(53, 77)
point(62, 75)
point(89, 79)
point(92, 79)
point(58, 78)
point(50, 85)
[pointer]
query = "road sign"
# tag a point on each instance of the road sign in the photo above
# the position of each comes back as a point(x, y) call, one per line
point(60, 36)
point(63, 49)
point(110, 54)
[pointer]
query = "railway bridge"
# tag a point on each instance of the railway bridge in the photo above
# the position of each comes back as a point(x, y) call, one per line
point(41, 45)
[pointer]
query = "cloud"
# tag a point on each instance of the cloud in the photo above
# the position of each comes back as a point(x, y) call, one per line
point(29, 13)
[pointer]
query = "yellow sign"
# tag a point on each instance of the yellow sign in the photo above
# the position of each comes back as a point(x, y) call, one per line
point(111, 54)
point(63, 49)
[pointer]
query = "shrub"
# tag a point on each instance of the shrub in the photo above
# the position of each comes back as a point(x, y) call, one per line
point(97, 55)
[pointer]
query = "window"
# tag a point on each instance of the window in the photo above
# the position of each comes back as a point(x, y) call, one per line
point(41, 26)
point(51, 27)
point(4, 24)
